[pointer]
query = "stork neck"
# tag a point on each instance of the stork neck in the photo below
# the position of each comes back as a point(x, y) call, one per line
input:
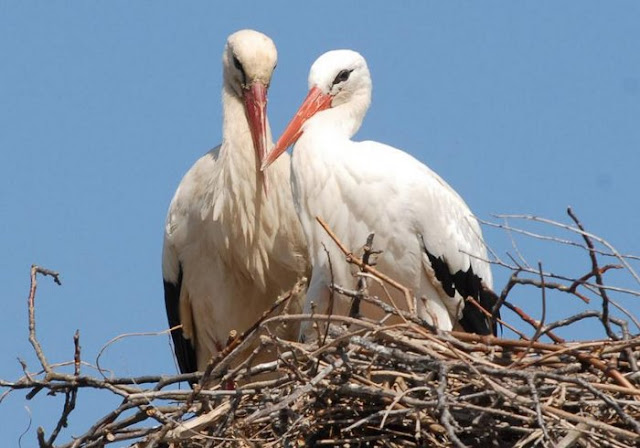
point(238, 159)
point(237, 143)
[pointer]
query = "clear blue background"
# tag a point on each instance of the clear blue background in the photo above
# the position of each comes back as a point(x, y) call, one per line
point(522, 106)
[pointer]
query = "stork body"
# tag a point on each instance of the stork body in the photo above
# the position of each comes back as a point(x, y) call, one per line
point(432, 243)
point(231, 244)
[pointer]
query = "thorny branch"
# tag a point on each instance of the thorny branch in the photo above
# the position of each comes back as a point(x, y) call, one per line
point(399, 385)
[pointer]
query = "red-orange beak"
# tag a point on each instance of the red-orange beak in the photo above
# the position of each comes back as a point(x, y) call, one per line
point(255, 105)
point(315, 101)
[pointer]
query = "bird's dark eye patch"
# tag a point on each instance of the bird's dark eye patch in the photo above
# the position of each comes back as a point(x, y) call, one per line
point(342, 76)
point(237, 63)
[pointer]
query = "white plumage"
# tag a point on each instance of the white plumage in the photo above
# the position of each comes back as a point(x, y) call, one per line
point(232, 239)
point(432, 243)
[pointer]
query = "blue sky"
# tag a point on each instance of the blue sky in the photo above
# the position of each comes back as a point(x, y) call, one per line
point(523, 107)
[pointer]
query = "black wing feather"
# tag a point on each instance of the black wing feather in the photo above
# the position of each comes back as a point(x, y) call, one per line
point(468, 284)
point(184, 350)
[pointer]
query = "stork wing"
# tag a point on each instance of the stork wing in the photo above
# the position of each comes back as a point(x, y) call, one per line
point(184, 350)
point(186, 203)
point(450, 234)
point(467, 284)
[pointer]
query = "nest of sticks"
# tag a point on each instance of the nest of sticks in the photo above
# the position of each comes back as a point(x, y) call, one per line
point(370, 383)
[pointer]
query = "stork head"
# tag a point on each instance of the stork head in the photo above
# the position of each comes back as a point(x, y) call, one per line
point(338, 78)
point(249, 59)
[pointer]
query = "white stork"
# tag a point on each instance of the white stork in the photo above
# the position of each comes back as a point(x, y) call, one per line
point(432, 243)
point(230, 247)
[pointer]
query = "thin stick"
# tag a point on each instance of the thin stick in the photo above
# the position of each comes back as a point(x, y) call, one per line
point(351, 258)
point(31, 304)
point(596, 270)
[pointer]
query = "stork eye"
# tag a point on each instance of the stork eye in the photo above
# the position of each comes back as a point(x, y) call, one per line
point(342, 76)
point(237, 63)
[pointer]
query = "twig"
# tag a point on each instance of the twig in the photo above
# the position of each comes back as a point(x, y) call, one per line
point(613, 252)
point(445, 415)
point(213, 363)
point(531, 381)
point(35, 270)
point(597, 272)
point(351, 258)
point(362, 282)
point(331, 296)
point(543, 316)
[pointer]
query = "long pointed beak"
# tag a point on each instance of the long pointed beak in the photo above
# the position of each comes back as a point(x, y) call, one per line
point(255, 104)
point(315, 101)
